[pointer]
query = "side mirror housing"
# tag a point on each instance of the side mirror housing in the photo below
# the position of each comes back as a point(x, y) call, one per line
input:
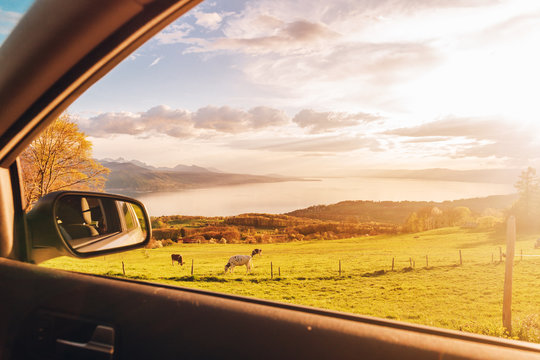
point(86, 224)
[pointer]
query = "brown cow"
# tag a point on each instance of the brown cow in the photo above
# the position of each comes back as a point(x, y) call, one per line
point(256, 252)
point(177, 257)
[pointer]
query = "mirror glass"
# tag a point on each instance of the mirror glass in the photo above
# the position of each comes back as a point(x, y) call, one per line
point(93, 223)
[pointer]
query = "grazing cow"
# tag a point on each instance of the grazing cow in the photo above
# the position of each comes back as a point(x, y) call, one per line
point(177, 257)
point(239, 260)
point(256, 252)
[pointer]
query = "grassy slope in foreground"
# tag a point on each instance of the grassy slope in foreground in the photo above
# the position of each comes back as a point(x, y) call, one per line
point(467, 297)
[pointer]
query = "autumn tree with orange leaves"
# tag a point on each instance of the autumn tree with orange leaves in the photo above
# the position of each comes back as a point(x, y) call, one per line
point(60, 159)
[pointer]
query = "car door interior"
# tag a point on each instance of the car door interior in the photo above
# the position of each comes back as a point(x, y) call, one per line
point(53, 314)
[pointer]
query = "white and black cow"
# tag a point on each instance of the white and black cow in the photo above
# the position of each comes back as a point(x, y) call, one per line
point(239, 260)
point(256, 252)
point(177, 257)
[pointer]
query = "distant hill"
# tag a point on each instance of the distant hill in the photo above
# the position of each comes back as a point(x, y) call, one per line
point(498, 176)
point(396, 212)
point(136, 177)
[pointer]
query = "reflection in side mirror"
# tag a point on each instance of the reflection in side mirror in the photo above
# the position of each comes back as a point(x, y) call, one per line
point(85, 224)
point(89, 223)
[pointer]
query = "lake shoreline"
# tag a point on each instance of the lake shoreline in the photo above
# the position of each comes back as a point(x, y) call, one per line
point(286, 196)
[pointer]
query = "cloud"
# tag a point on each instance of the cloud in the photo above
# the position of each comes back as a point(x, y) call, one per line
point(468, 127)
point(223, 119)
point(160, 119)
point(103, 125)
point(181, 123)
point(321, 144)
point(263, 116)
point(155, 61)
point(318, 122)
point(173, 122)
point(509, 29)
point(484, 137)
point(431, 139)
point(414, 6)
point(230, 120)
point(181, 32)
point(210, 20)
point(279, 37)
point(319, 60)
point(175, 33)
point(367, 50)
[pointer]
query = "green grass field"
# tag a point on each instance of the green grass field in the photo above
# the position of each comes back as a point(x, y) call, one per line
point(467, 297)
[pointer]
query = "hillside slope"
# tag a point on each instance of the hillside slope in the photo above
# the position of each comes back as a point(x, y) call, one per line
point(396, 212)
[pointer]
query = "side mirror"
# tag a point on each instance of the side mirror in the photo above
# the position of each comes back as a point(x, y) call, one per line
point(86, 224)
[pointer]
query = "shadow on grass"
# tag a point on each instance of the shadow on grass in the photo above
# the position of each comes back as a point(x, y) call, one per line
point(374, 273)
point(216, 279)
point(213, 279)
point(195, 278)
point(134, 277)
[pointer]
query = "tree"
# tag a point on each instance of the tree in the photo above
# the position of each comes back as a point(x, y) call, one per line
point(459, 215)
point(526, 209)
point(60, 159)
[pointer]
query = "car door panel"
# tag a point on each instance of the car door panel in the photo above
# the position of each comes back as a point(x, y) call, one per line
point(155, 321)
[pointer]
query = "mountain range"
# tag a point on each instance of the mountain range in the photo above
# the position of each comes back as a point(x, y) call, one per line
point(131, 177)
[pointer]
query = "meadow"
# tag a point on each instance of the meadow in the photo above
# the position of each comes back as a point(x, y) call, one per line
point(441, 293)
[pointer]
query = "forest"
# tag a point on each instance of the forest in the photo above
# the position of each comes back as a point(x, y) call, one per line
point(326, 222)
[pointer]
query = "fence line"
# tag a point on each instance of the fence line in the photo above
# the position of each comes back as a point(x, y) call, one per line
point(411, 262)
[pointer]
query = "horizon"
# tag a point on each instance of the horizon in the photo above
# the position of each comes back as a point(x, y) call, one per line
point(419, 170)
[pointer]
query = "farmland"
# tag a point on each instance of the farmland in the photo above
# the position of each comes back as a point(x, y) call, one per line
point(443, 293)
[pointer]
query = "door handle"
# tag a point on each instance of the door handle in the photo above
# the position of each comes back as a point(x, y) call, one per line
point(100, 346)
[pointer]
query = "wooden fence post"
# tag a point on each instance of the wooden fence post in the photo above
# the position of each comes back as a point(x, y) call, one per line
point(279, 271)
point(339, 267)
point(191, 267)
point(507, 298)
point(271, 270)
point(500, 254)
point(123, 269)
point(460, 258)
point(410, 262)
point(393, 264)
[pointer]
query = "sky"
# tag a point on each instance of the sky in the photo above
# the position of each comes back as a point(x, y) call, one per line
point(313, 88)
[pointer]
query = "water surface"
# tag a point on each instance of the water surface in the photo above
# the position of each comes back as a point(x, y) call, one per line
point(282, 197)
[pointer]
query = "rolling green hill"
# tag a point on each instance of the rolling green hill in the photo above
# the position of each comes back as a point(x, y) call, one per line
point(396, 212)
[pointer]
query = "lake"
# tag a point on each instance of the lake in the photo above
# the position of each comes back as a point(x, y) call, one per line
point(282, 197)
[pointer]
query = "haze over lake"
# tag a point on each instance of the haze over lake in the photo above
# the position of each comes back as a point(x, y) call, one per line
point(282, 197)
